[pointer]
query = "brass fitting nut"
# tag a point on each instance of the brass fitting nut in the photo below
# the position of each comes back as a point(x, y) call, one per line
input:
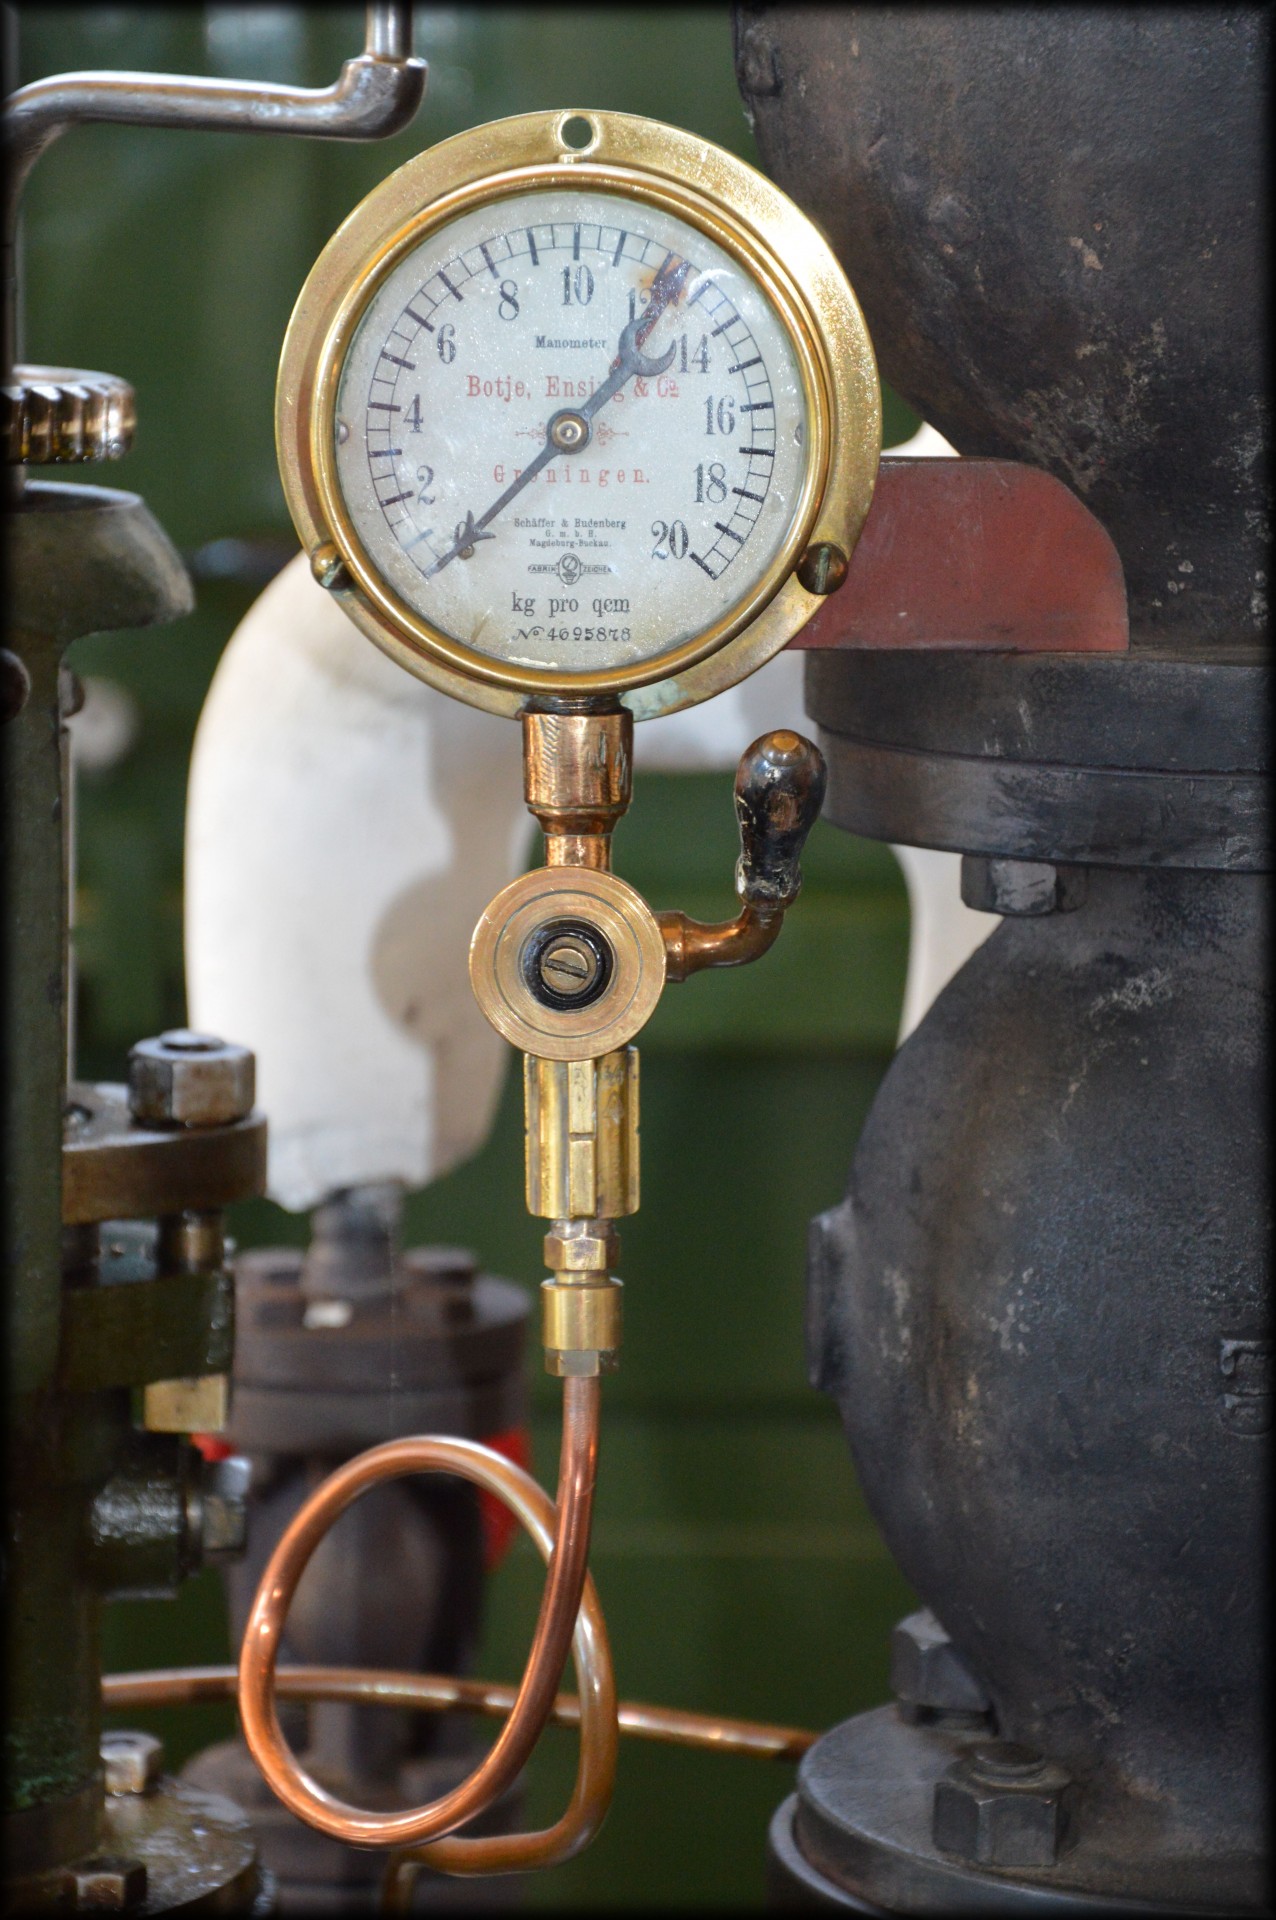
point(582, 1246)
point(581, 1317)
point(184, 1079)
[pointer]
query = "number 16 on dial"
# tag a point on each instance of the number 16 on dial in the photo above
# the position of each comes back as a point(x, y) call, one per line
point(577, 404)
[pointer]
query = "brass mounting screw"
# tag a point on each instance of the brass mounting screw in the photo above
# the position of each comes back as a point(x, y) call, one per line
point(822, 568)
point(329, 569)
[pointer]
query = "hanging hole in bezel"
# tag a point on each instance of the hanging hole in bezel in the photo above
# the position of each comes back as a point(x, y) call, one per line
point(568, 134)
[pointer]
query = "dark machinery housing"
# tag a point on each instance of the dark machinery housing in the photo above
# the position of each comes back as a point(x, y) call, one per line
point(1042, 1305)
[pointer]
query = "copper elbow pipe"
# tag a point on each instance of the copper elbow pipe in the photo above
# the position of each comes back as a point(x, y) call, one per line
point(562, 1534)
point(691, 945)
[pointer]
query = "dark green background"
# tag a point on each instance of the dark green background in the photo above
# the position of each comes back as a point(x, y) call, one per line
point(738, 1566)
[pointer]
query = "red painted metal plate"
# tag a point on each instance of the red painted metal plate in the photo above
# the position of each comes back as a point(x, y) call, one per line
point(981, 554)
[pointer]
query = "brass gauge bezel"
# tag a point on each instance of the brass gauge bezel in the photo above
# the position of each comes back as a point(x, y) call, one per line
point(733, 205)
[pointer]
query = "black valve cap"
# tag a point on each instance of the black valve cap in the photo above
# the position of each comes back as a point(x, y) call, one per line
point(779, 789)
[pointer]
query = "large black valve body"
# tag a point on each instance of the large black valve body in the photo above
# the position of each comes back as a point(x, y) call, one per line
point(1042, 1306)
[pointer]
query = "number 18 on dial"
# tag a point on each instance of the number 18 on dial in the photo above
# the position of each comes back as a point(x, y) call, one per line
point(575, 404)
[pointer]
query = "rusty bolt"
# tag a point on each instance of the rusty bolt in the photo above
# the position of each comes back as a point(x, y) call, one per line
point(928, 1672)
point(110, 1880)
point(131, 1762)
point(1003, 1805)
point(185, 1079)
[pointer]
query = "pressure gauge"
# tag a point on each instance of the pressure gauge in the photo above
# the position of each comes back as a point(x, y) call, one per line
point(577, 404)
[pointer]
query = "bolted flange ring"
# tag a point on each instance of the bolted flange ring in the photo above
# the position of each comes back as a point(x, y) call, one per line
point(584, 898)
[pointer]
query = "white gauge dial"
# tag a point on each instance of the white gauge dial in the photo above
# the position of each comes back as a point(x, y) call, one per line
point(571, 431)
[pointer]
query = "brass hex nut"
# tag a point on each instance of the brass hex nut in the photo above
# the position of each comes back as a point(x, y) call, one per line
point(587, 1246)
point(131, 1762)
point(1003, 1805)
point(184, 1079)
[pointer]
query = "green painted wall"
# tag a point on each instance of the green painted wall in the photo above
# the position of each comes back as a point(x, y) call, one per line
point(738, 1567)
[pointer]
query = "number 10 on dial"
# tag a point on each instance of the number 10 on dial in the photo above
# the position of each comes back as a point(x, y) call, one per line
point(567, 406)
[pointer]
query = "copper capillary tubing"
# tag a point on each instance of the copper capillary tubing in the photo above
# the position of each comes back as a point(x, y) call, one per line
point(563, 1536)
point(438, 1693)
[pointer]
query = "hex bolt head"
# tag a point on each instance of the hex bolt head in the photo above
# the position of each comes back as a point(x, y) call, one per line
point(928, 1672)
point(1003, 1805)
point(131, 1762)
point(184, 1079)
point(1021, 887)
point(223, 1501)
point(111, 1880)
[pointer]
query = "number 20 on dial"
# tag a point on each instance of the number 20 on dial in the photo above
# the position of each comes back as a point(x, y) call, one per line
point(563, 405)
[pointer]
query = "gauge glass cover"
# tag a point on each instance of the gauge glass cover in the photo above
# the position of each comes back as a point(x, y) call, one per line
point(510, 507)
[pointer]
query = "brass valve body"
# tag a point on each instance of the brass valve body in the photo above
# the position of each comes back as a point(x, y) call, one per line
point(569, 962)
point(582, 1173)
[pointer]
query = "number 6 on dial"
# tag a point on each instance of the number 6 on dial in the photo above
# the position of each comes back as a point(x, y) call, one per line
point(565, 420)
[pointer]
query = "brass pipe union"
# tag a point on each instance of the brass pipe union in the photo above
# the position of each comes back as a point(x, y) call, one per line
point(580, 1325)
point(582, 1137)
point(578, 771)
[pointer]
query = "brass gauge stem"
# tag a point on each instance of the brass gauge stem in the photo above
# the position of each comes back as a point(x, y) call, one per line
point(577, 780)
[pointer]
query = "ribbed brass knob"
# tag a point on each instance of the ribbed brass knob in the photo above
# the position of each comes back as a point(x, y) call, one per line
point(53, 415)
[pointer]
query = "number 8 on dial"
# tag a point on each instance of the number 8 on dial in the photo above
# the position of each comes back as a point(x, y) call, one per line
point(573, 420)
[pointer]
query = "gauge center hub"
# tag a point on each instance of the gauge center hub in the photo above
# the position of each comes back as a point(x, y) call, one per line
point(569, 432)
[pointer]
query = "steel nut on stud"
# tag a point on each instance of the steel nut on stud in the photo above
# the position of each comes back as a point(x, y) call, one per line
point(131, 1762)
point(929, 1676)
point(1003, 1805)
point(113, 1881)
point(223, 1498)
point(185, 1079)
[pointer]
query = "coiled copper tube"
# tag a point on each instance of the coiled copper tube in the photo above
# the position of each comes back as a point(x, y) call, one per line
point(563, 1536)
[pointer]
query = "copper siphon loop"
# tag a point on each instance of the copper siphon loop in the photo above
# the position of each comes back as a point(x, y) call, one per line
point(556, 1622)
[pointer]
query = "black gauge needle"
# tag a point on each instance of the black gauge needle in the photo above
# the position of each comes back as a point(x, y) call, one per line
point(629, 362)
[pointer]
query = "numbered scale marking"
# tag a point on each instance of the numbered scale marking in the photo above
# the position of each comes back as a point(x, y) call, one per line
point(538, 498)
point(578, 420)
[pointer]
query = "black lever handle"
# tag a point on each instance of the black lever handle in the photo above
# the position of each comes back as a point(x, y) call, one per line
point(779, 789)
